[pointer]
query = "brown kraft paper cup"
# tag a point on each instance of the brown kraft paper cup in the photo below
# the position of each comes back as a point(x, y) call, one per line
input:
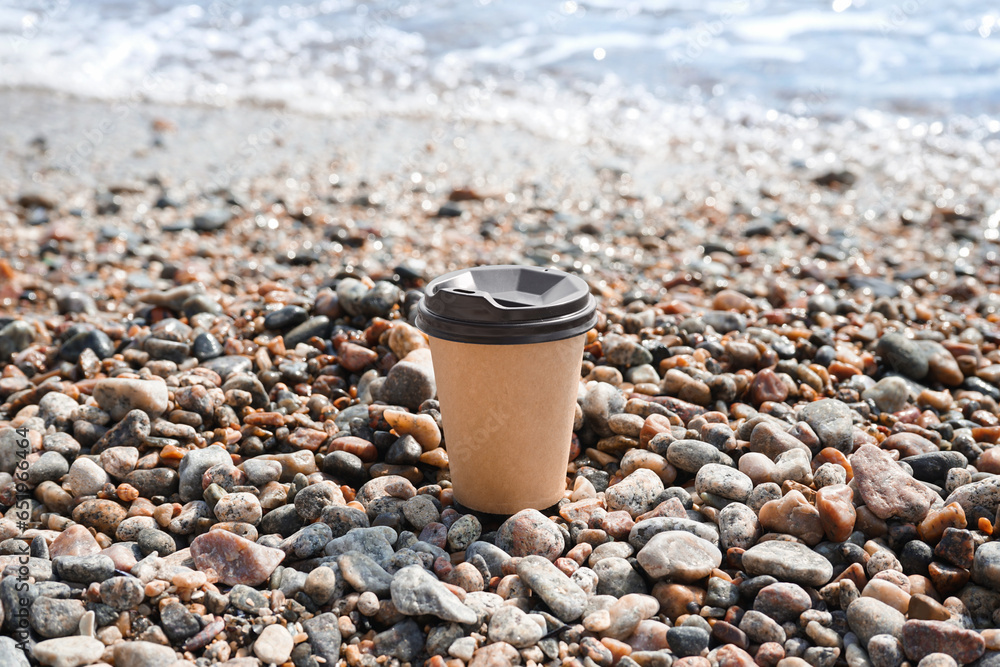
point(508, 418)
point(507, 344)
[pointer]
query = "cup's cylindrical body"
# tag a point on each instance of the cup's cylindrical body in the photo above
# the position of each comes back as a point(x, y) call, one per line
point(508, 415)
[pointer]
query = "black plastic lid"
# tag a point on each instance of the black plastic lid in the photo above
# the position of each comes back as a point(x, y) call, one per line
point(506, 305)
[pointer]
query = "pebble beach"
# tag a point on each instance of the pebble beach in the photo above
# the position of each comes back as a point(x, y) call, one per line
point(220, 442)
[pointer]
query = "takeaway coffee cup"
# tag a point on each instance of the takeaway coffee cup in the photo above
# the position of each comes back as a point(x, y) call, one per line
point(507, 344)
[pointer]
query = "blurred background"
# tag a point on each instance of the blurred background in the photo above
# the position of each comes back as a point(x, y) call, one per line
point(555, 67)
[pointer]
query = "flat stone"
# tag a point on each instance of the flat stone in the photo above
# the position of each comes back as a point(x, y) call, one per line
point(83, 569)
point(118, 396)
point(643, 531)
point(565, 598)
point(788, 561)
point(415, 592)
point(692, 455)
point(68, 651)
point(934, 466)
point(886, 489)
point(236, 560)
point(922, 638)
point(135, 653)
point(679, 556)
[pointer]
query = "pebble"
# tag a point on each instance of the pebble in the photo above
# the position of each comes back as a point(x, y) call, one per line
point(83, 569)
point(635, 494)
point(274, 645)
point(889, 394)
point(194, 464)
point(86, 477)
point(886, 489)
point(119, 461)
point(869, 617)
point(68, 651)
point(923, 638)
point(986, 565)
point(11, 655)
point(52, 617)
point(788, 561)
point(118, 396)
point(835, 504)
point(513, 626)
point(234, 559)
point(122, 593)
point(831, 420)
point(416, 592)
point(464, 532)
point(692, 455)
point(564, 597)
point(143, 654)
point(723, 481)
point(761, 629)
point(364, 574)
point(324, 636)
point(687, 641)
point(206, 347)
point(242, 506)
point(794, 515)
point(76, 540)
point(286, 318)
point(94, 340)
point(529, 532)
point(783, 602)
point(679, 556)
point(410, 382)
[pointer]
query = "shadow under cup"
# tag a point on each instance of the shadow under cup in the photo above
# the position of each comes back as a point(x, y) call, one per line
point(507, 344)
